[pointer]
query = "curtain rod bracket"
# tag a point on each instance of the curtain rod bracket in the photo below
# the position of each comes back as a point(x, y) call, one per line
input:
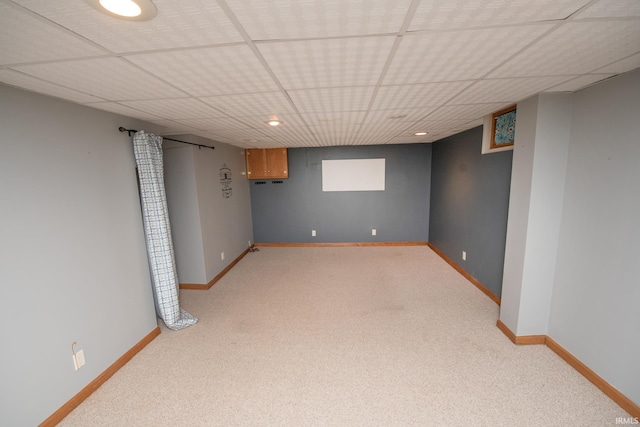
point(131, 131)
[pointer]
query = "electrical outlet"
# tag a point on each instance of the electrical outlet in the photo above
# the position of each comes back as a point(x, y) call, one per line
point(222, 256)
point(78, 359)
point(374, 232)
point(464, 255)
point(313, 233)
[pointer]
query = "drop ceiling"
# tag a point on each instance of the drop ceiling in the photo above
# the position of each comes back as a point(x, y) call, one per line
point(335, 72)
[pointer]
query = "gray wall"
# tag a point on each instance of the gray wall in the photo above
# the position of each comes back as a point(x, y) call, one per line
point(537, 188)
point(204, 223)
point(184, 214)
point(469, 205)
point(73, 258)
point(594, 309)
point(288, 212)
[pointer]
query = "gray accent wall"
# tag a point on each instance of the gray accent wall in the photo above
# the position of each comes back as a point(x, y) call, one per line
point(73, 258)
point(204, 223)
point(469, 205)
point(287, 212)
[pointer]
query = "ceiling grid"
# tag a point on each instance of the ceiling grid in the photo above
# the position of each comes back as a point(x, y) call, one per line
point(335, 72)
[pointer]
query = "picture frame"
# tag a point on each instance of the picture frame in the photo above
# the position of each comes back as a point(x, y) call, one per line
point(503, 128)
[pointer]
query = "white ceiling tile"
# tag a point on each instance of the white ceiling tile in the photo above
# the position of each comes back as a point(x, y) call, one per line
point(439, 14)
point(241, 134)
point(372, 140)
point(575, 48)
point(333, 138)
point(434, 127)
point(293, 136)
point(332, 99)
point(213, 71)
point(417, 95)
point(260, 122)
point(214, 139)
point(24, 81)
point(330, 118)
point(505, 90)
point(264, 144)
point(177, 24)
point(630, 63)
point(579, 83)
point(457, 55)
point(108, 78)
point(24, 38)
point(378, 123)
point(376, 133)
point(175, 108)
point(215, 124)
point(263, 104)
point(291, 19)
point(611, 9)
point(371, 136)
point(328, 63)
point(293, 130)
point(407, 139)
point(397, 115)
point(464, 112)
point(123, 110)
point(173, 127)
point(336, 128)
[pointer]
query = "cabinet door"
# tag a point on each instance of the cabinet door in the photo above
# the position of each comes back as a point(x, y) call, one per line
point(256, 163)
point(277, 164)
point(265, 163)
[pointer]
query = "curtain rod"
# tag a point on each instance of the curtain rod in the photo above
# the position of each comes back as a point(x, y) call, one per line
point(130, 131)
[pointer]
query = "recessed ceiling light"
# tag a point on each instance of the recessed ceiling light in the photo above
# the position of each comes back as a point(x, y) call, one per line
point(126, 8)
point(420, 133)
point(131, 10)
point(273, 121)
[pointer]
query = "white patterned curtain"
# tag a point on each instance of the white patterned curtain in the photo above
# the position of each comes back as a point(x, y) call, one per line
point(148, 152)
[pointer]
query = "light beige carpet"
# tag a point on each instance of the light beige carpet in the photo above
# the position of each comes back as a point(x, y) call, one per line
point(372, 336)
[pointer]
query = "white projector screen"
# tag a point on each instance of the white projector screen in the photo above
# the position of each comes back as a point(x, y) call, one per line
point(353, 175)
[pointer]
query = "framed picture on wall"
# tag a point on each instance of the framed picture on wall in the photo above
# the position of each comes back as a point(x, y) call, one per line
point(503, 127)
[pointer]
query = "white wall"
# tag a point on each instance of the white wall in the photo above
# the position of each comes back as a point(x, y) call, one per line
point(595, 311)
point(196, 205)
point(73, 259)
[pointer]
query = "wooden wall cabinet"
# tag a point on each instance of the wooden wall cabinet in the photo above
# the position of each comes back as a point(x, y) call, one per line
point(267, 163)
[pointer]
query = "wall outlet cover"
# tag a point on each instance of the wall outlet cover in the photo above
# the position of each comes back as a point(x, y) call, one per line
point(78, 359)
